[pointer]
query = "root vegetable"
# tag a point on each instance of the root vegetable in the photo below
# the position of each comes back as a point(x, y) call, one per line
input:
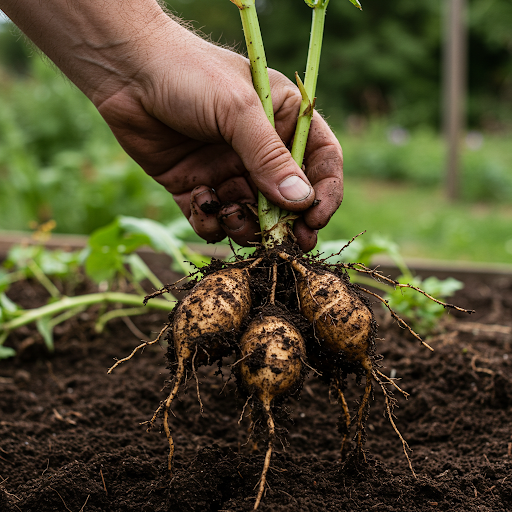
point(271, 366)
point(218, 304)
point(337, 313)
point(346, 326)
point(216, 307)
point(272, 352)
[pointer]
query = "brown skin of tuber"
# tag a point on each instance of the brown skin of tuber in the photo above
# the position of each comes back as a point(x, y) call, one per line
point(272, 353)
point(218, 304)
point(338, 315)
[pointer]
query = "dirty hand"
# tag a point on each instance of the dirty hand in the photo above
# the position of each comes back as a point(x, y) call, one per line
point(186, 111)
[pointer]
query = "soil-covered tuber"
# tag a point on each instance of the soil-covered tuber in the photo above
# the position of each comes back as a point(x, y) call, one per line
point(340, 318)
point(272, 353)
point(202, 326)
point(271, 366)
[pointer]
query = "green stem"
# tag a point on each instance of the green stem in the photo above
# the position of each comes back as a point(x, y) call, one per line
point(309, 89)
point(116, 313)
point(43, 279)
point(273, 233)
point(83, 300)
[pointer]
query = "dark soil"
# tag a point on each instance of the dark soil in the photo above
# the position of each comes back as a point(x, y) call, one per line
point(71, 437)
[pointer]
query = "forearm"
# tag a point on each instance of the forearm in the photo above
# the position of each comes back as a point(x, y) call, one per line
point(101, 46)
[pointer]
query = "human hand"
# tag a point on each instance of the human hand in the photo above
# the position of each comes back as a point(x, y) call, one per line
point(187, 112)
point(199, 129)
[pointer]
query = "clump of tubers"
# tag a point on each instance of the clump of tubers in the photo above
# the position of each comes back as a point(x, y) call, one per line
point(282, 314)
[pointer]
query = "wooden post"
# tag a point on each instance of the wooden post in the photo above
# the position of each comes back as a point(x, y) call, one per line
point(454, 90)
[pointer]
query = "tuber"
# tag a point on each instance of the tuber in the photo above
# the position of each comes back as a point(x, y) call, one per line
point(214, 309)
point(271, 366)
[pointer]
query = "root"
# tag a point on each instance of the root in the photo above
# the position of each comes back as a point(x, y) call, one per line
point(168, 288)
point(346, 411)
point(255, 262)
point(142, 345)
point(391, 381)
point(166, 404)
point(363, 409)
point(266, 465)
point(375, 274)
point(194, 373)
point(402, 323)
point(345, 246)
point(243, 410)
point(390, 403)
point(274, 284)
point(319, 374)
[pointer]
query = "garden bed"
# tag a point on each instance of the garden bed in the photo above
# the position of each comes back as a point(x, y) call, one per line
point(71, 436)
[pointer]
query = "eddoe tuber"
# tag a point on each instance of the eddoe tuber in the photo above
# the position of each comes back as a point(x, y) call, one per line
point(203, 325)
point(271, 366)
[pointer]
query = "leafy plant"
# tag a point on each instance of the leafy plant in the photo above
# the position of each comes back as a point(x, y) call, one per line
point(109, 257)
point(421, 312)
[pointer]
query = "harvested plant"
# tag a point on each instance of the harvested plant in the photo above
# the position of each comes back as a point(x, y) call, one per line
point(281, 313)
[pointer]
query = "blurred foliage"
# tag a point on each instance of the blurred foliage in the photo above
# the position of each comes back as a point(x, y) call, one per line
point(394, 154)
point(379, 84)
point(384, 60)
point(59, 160)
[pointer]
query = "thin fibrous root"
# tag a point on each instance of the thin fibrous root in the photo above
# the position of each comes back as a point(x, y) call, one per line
point(389, 409)
point(168, 288)
point(274, 285)
point(345, 246)
point(310, 367)
point(142, 345)
point(346, 411)
point(243, 410)
point(255, 262)
point(359, 267)
point(266, 465)
point(392, 382)
point(400, 321)
point(363, 407)
point(194, 373)
point(166, 404)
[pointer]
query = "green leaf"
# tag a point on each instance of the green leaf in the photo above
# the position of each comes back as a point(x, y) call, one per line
point(6, 352)
point(420, 311)
point(107, 249)
point(138, 268)
point(45, 328)
point(8, 309)
point(356, 3)
point(160, 238)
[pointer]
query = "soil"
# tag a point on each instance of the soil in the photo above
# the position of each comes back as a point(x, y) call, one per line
point(71, 437)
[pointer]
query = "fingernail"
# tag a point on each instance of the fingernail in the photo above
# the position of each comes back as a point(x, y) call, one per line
point(234, 221)
point(203, 197)
point(294, 189)
point(205, 201)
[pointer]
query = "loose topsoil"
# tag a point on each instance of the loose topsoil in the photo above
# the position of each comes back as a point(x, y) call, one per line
point(71, 437)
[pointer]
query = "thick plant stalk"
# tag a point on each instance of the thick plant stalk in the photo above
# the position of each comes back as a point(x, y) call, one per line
point(275, 223)
point(308, 89)
point(273, 232)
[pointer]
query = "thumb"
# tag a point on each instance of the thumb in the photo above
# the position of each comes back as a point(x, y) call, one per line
point(269, 163)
